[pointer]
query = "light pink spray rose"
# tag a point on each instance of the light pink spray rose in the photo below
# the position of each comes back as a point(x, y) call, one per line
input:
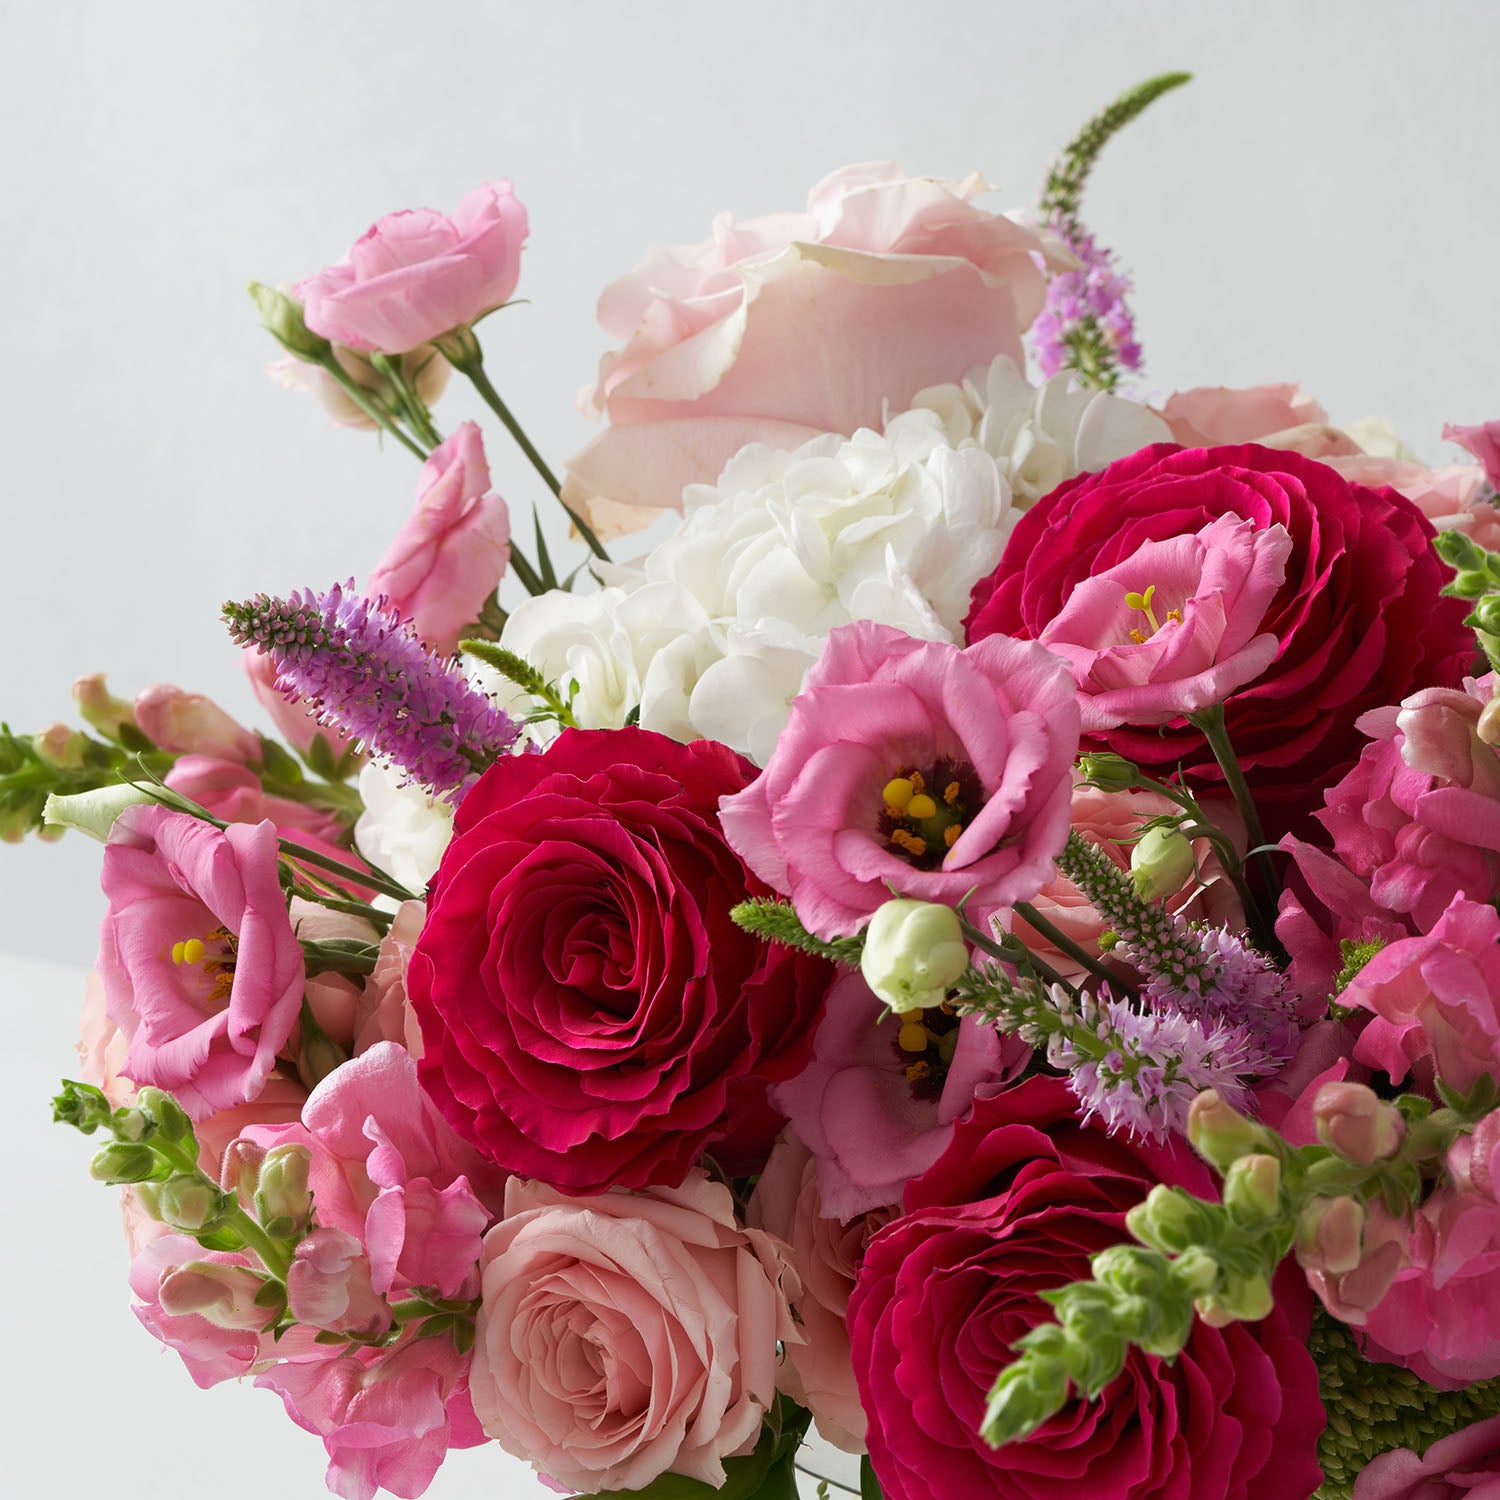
point(982, 741)
point(451, 553)
point(1465, 1465)
point(186, 723)
point(416, 275)
point(202, 971)
point(784, 327)
point(626, 1335)
point(1275, 416)
point(1175, 627)
point(826, 1256)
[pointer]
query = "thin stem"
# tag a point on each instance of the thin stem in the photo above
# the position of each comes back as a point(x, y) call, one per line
point(1210, 721)
point(1080, 955)
point(275, 1259)
point(362, 399)
point(412, 404)
point(1019, 955)
point(370, 879)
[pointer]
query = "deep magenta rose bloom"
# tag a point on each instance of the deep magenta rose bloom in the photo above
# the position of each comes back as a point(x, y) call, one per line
point(1358, 617)
point(1017, 1204)
point(591, 1015)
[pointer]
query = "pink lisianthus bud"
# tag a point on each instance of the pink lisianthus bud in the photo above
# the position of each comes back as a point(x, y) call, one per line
point(1354, 1121)
point(184, 723)
point(223, 1294)
point(329, 1285)
point(1329, 1231)
point(100, 708)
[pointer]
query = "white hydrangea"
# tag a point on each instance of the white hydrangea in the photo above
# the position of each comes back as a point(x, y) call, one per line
point(402, 830)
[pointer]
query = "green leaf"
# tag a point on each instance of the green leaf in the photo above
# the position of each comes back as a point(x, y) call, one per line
point(869, 1485)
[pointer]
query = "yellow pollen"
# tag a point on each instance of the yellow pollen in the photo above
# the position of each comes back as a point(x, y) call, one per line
point(917, 1071)
point(913, 843)
point(1175, 614)
point(952, 833)
point(921, 806)
point(950, 793)
point(898, 793)
point(1137, 637)
point(177, 952)
point(192, 951)
point(917, 784)
point(913, 1038)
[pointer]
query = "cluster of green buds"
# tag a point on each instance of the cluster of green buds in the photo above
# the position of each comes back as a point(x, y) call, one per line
point(1477, 580)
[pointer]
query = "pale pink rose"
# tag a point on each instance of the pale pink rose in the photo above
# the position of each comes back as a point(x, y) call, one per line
point(629, 1334)
point(416, 275)
point(1175, 627)
point(1483, 441)
point(329, 1285)
point(1110, 821)
point(870, 1116)
point(826, 1255)
point(183, 723)
point(991, 731)
point(1451, 497)
point(450, 555)
point(1438, 994)
point(425, 368)
point(1465, 1465)
point(794, 324)
point(384, 1013)
point(1275, 416)
point(208, 1024)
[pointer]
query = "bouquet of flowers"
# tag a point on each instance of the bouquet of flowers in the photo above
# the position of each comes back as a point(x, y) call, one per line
point(982, 939)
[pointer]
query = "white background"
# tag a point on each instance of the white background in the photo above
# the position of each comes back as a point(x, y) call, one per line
point(1320, 205)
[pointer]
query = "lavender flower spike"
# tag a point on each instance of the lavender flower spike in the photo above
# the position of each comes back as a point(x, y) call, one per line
point(365, 670)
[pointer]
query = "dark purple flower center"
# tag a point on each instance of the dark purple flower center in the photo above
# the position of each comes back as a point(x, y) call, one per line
point(923, 810)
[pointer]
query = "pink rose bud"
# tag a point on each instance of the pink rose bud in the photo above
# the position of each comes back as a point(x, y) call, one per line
point(60, 746)
point(1355, 1122)
point(184, 723)
point(101, 708)
point(1329, 1235)
point(224, 1294)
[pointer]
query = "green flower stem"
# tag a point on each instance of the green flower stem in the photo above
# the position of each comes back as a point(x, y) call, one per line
point(1016, 953)
point(371, 879)
point(1060, 940)
point(418, 418)
point(363, 400)
point(530, 579)
point(1210, 722)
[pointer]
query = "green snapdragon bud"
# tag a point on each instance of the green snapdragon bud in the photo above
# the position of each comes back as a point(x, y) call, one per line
point(122, 1162)
point(283, 1198)
point(1220, 1134)
point(192, 1204)
point(1252, 1188)
point(81, 1105)
point(1108, 771)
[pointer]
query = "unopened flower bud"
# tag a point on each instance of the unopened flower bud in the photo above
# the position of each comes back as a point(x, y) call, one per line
point(1355, 1122)
point(184, 723)
point(166, 1115)
point(1195, 1270)
point(1161, 862)
point(1220, 1134)
point(318, 1054)
point(1252, 1187)
point(60, 745)
point(1487, 614)
point(1170, 1220)
point(285, 323)
point(283, 1199)
point(1245, 1299)
point(1108, 772)
point(1489, 721)
point(192, 1204)
point(1330, 1232)
point(239, 1172)
point(914, 952)
point(94, 812)
point(224, 1294)
point(81, 1105)
point(121, 1162)
point(100, 708)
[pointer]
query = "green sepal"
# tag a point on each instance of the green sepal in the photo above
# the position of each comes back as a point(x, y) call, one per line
point(82, 1106)
point(220, 1239)
point(869, 1485)
point(278, 762)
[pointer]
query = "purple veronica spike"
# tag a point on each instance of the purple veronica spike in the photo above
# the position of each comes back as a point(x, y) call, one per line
point(1086, 323)
point(365, 670)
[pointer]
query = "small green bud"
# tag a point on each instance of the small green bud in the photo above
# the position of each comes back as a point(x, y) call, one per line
point(165, 1113)
point(1468, 583)
point(1108, 772)
point(1486, 614)
point(1459, 550)
point(99, 707)
point(283, 1200)
point(1195, 1271)
point(1025, 1395)
point(61, 746)
point(121, 1162)
point(1252, 1188)
point(283, 319)
point(1244, 1299)
point(1170, 1220)
point(1220, 1134)
point(1161, 862)
point(914, 952)
point(193, 1204)
point(81, 1105)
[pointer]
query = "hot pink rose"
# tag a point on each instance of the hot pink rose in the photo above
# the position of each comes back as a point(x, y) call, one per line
point(1483, 441)
point(450, 556)
point(1462, 1466)
point(784, 327)
point(985, 737)
point(1175, 627)
point(185, 723)
point(875, 1116)
point(1359, 618)
point(416, 275)
point(201, 968)
point(1276, 416)
point(826, 1256)
point(1018, 1203)
point(627, 1335)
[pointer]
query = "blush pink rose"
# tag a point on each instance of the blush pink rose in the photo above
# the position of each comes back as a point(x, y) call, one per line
point(795, 324)
point(872, 1123)
point(1174, 627)
point(416, 275)
point(826, 1254)
point(1465, 1465)
point(990, 731)
point(627, 1335)
point(1276, 416)
point(451, 554)
point(208, 1029)
point(1483, 441)
point(184, 723)
point(424, 368)
point(1451, 497)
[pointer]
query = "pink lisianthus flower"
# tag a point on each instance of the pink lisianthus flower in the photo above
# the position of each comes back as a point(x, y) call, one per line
point(628, 1335)
point(452, 551)
point(1465, 1465)
point(870, 1121)
point(1175, 627)
point(416, 275)
point(184, 723)
point(202, 971)
point(1483, 441)
point(826, 1255)
point(984, 737)
point(1275, 416)
point(781, 328)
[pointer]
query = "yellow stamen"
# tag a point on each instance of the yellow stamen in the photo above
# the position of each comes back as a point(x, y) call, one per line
point(1142, 602)
point(917, 784)
point(952, 833)
point(898, 793)
point(193, 951)
point(921, 806)
point(177, 952)
point(1137, 637)
point(1175, 614)
point(913, 1038)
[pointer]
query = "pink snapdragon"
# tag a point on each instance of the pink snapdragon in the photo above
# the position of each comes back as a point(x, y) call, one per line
point(1174, 628)
point(914, 768)
point(449, 557)
point(1483, 441)
point(186, 723)
point(416, 275)
point(202, 971)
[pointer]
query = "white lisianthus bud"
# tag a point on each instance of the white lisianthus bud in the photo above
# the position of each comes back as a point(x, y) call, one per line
point(1161, 863)
point(914, 952)
point(94, 812)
